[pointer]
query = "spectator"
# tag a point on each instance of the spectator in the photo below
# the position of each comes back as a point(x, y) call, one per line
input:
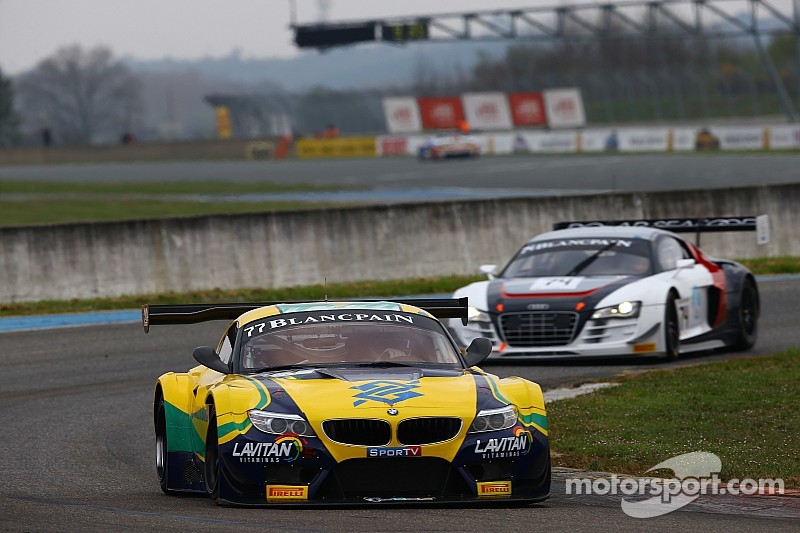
point(47, 137)
point(331, 131)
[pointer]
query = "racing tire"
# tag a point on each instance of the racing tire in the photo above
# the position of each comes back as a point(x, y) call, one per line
point(211, 466)
point(747, 324)
point(672, 334)
point(162, 457)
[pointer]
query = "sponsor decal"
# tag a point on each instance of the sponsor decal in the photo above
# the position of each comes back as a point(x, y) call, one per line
point(395, 451)
point(527, 109)
point(572, 243)
point(488, 110)
point(401, 499)
point(644, 348)
point(558, 284)
point(538, 307)
point(287, 448)
point(394, 145)
point(494, 488)
point(280, 493)
point(385, 391)
point(500, 448)
point(674, 224)
point(278, 323)
point(443, 112)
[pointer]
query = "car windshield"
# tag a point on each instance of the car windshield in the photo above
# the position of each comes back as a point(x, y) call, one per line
point(584, 257)
point(356, 344)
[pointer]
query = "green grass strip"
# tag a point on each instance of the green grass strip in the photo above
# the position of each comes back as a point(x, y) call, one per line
point(744, 410)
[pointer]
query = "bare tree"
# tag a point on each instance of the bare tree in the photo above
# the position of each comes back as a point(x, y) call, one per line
point(9, 122)
point(82, 95)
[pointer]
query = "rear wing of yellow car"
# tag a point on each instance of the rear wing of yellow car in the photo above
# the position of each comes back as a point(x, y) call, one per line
point(154, 315)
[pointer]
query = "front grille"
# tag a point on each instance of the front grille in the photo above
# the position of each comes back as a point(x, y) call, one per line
point(428, 430)
point(395, 477)
point(541, 328)
point(358, 431)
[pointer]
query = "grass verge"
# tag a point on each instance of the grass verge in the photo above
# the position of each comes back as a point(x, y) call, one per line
point(743, 410)
point(69, 211)
point(60, 203)
point(171, 187)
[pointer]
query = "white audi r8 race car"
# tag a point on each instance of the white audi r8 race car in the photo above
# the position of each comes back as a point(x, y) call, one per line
point(449, 146)
point(608, 289)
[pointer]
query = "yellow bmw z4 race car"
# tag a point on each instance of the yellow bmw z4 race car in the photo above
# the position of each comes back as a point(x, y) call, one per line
point(365, 402)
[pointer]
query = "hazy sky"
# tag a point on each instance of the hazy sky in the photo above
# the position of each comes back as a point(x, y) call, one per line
point(147, 29)
point(185, 29)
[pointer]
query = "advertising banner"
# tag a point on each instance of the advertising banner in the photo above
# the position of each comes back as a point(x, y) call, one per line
point(223, 117)
point(440, 113)
point(599, 140)
point(336, 147)
point(739, 138)
point(392, 145)
point(497, 144)
point(487, 111)
point(782, 137)
point(683, 139)
point(644, 140)
point(546, 141)
point(564, 108)
point(402, 115)
point(527, 109)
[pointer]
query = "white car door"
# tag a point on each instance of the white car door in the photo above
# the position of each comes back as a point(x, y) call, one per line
point(693, 282)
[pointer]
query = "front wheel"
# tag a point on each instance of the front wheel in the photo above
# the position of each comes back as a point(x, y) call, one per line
point(747, 331)
point(162, 457)
point(211, 469)
point(672, 335)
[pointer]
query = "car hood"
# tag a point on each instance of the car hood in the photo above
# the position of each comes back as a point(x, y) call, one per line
point(555, 286)
point(357, 393)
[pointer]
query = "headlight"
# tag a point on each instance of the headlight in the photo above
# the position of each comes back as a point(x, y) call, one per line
point(494, 419)
point(623, 310)
point(280, 423)
point(476, 315)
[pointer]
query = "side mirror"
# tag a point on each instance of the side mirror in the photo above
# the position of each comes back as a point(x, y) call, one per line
point(684, 263)
point(206, 356)
point(478, 350)
point(488, 270)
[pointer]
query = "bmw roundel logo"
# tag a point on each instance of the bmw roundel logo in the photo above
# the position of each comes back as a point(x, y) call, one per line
point(392, 412)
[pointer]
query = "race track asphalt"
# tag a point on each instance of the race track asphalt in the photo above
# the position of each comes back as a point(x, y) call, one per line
point(76, 403)
point(78, 445)
point(533, 175)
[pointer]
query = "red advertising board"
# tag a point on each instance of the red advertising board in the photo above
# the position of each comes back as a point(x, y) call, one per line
point(527, 109)
point(393, 145)
point(440, 112)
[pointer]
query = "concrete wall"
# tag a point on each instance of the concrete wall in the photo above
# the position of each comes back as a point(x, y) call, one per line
point(383, 242)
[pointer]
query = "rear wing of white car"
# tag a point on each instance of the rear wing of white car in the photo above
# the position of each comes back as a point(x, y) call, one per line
point(682, 225)
point(675, 225)
point(153, 315)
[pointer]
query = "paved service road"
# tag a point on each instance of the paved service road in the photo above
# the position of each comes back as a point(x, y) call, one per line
point(568, 173)
point(76, 413)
